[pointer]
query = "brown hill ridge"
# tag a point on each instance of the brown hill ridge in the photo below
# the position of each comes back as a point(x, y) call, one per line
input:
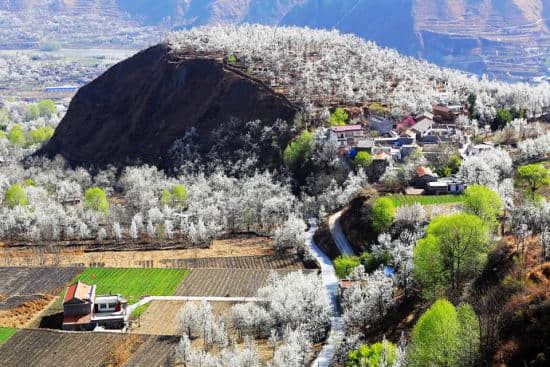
point(139, 107)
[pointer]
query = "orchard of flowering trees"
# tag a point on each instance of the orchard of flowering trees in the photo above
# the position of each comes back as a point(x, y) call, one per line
point(318, 68)
point(294, 314)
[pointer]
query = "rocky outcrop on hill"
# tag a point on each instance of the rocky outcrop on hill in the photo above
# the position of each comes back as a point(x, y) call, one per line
point(141, 106)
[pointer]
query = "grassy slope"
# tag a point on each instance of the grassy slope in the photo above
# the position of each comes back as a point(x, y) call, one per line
point(134, 283)
point(6, 333)
point(400, 200)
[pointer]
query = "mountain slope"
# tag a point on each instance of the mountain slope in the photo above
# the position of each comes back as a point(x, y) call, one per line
point(141, 106)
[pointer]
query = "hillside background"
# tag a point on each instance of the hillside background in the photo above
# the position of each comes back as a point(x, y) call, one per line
point(509, 39)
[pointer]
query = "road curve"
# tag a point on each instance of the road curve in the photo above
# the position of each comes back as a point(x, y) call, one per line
point(330, 282)
point(337, 234)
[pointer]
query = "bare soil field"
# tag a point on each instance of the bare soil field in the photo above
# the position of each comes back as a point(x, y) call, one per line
point(267, 262)
point(224, 282)
point(36, 256)
point(160, 318)
point(52, 348)
point(25, 292)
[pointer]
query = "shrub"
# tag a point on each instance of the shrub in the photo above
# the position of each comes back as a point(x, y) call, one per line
point(95, 199)
point(15, 196)
point(383, 213)
point(372, 262)
point(166, 198)
point(372, 355)
point(344, 265)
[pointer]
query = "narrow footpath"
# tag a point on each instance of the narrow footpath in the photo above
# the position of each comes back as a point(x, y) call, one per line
point(330, 281)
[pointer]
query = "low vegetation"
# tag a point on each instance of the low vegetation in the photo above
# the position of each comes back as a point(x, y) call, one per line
point(401, 200)
point(6, 333)
point(134, 283)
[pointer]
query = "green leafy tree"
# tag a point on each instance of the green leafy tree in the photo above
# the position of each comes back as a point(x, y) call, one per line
point(366, 356)
point(362, 160)
point(383, 213)
point(166, 198)
point(15, 196)
point(95, 199)
point(232, 59)
point(16, 136)
point(46, 108)
point(339, 117)
point(32, 112)
point(344, 265)
point(179, 195)
point(503, 118)
point(40, 136)
point(533, 177)
point(298, 151)
point(435, 337)
point(483, 202)
point(468, 335)
point(453, 251)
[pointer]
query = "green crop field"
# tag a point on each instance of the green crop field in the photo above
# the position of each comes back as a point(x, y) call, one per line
point(400, 200)
point(6, 333)
point(133, 283)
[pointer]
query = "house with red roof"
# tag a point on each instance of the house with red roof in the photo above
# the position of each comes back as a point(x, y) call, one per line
point(83, 310)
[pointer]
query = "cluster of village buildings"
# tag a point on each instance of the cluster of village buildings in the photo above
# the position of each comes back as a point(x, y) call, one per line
point(389, 140)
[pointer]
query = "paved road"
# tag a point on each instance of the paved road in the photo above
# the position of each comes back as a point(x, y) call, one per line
point(145, 300)
point(330, 281)
point(338, 235)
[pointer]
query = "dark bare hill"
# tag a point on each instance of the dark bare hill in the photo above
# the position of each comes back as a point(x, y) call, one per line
point(141, 106)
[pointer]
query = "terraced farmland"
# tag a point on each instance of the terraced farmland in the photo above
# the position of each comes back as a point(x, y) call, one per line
point(266, 262)
point(52, 348)
point(25, 292)
point(224, 282)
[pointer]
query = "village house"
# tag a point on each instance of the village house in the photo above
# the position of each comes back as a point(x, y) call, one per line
point(448, 113)
point(424, 175)
point(381, 125)
point(445, 187)
point(347, 135)
point(83, 310)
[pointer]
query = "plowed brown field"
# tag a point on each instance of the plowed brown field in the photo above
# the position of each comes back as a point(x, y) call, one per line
point(58, 349)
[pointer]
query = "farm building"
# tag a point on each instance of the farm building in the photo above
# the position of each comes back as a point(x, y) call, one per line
point(444, 187)
point(424, 176)
point(83, 310)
